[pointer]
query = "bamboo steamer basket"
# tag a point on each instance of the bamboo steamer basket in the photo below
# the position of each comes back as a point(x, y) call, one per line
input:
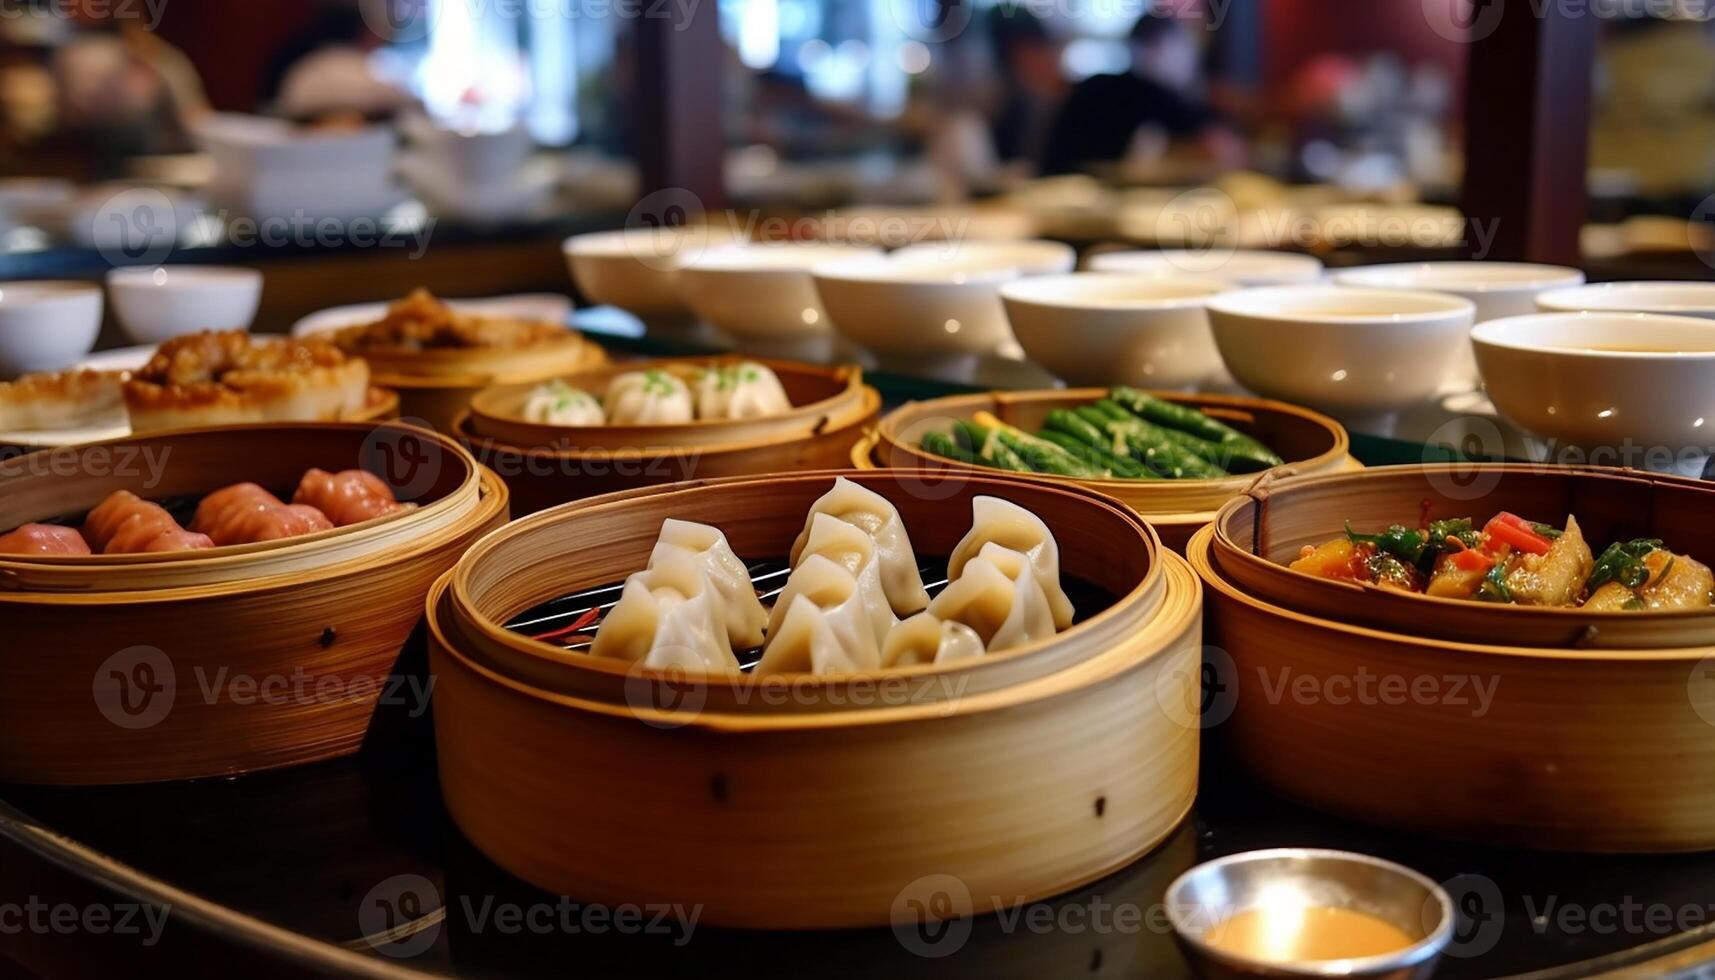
point(436, 385)
point(1308, 441)
point(1259, 533)
point(545, 475)
point(821, 398)
point(1577, 750)
point(243, 658)
point(816, 802)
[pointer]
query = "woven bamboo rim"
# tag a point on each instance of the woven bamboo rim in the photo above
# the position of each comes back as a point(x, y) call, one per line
point(1078, 766)
point(501, 365)
point(33, 488)
point(1257, 534)
point(325, 640)
point(508, 573)
point(822, 398)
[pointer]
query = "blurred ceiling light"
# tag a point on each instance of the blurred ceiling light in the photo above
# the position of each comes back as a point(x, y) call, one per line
point(914, 57)
point(812, 53)
point(758, 29)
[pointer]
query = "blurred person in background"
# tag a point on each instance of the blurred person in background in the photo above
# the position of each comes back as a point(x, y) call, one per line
point(1156, 107)
point(1032, 86)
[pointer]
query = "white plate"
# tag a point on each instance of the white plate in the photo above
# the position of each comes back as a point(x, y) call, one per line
point(119, 359)
point(544, 307)
point(53, 439)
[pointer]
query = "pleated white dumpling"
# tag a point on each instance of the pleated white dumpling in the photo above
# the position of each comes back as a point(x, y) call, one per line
point(742, 613)
point(825, 629)
point(740, 391)
point(850, 548)
point(648, 398)
point(997, 595)
point(923, 639)
point(1011, 526)
point(668, 616)
point(871, 513)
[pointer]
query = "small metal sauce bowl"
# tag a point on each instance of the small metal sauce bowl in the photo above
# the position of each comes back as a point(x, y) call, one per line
point(1211, 894)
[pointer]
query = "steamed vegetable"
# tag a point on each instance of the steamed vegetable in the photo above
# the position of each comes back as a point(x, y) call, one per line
point(1515, 561)
point(1130, 436)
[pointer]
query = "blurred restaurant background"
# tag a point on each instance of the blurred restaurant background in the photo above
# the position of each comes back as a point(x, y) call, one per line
point(1359, 130)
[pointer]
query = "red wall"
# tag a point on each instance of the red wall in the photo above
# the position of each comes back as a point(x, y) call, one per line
point(1296, 32)
point(232, 42)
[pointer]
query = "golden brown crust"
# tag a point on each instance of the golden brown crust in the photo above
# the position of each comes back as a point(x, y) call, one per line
point(217, 378)
point(68, 399)
point(422, 322)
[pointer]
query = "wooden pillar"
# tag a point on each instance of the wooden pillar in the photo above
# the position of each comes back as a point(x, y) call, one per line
point(681, 141)
point(1527, 126)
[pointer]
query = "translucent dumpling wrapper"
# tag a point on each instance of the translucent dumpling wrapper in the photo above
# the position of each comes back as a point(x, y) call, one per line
point(1003, 522)
point(871, 513)
point(668, 617)
point(826, 629)
point(741, 612)
point(850, 548)
point(558, 403)
point(648, 398)
point(997, 595)
point(923, 639)
point(740, 391)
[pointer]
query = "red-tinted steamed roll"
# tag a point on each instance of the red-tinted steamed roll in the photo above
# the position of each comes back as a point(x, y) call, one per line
point(349, 497)
point(126, 524)
point(43, 539)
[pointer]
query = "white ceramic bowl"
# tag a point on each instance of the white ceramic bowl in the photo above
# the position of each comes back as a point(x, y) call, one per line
point(46, 326)
point(1029, 257)
point(916, 309)
point(1108, 328)
point(1604, 380)
point(1497, 288)
point(763, 292)
point(157, 303)
point(1241, 267)
point(637, 269)
point(1675, 298)
point(1357, 354)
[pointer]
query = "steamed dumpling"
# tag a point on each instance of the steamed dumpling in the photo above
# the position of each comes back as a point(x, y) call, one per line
point(648, 398)
point(997, 595)
point(667, 617)
point(871, 513)
point(850, 548)
point(740, 391)
point(923, 639)
point(741, 612)
point(558, 403)
point(826, 628)
point(1005, 523)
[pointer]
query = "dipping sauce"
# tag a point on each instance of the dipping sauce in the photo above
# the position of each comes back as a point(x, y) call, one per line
point(1296, 934)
